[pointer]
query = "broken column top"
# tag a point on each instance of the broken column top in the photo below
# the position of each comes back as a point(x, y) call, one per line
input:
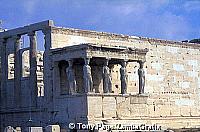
point(26, 29)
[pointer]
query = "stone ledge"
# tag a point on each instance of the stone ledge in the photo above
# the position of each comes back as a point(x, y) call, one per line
point(151, 118)
point(120, 37)
point(102, 95)
point(22, 110)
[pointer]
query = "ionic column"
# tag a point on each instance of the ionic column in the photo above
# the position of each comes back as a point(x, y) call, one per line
point(123, 77)
point(47, 62)
point(47, 38)
point(4, 72)
point(71, 77)
point(141, 75)
point(107, 81)
point(56, 78)
point(33, 66)
point(87, 76)
point(18, 70)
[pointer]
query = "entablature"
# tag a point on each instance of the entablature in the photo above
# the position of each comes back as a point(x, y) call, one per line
point(90, 50)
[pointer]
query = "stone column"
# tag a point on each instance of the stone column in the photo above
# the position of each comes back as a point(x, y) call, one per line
point(47, 38)
point(123, 77)
point(87, 76)
point(18, 70)
point(71, 77)
point(4, 72)
point(56, 78)
point(47, 62)
point(141, 75)
point(33, 66)
point(107, 81)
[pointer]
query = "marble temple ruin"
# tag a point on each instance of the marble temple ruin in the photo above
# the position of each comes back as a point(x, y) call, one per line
point(97, 78)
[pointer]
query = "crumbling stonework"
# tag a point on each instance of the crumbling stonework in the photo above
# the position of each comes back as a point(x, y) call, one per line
point(171, 88)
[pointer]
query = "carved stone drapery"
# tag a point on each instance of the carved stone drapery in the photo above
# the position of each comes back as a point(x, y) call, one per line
point(115, 54)
point(71, 77)
point(87, 76)
point(123, 77)
point(107, 81)
point(141, 74)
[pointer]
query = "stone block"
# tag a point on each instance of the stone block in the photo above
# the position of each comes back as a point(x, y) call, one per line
point(194, 111)
point(163, 110)
point(95, 106)
point(178, 67)
point(109, 107)
point(175, 110)
point(34, 129)
point(123, 107)
point(152, 111)
point(138, 100)
point(52, 128)
point(138, 110)
point(185, 111)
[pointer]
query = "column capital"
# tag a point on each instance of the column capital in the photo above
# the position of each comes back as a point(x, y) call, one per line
point(87, 60)
point(46, 31)
point(16, 38)
point(141, 61)
point(106, 62)
point(141, 64)
point(33, 33)
point(70, 61)
point(2, 40)
point(124, 63)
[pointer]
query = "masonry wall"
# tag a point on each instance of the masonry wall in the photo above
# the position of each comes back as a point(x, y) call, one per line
point(26, 71)
point(19, 116)
point(172, 80)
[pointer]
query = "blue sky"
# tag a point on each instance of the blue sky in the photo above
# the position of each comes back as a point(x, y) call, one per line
point(164, 19)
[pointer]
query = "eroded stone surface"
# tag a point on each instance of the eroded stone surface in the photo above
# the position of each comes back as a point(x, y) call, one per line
point(171, 89)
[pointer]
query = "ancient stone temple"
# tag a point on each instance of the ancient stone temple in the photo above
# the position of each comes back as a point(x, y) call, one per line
point(88, 77)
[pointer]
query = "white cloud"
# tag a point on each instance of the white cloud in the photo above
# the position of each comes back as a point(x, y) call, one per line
point(30, 6)
point(130, 8)
point(156, 18)
point(192, 6)
point(143, 18)
point(173, 26)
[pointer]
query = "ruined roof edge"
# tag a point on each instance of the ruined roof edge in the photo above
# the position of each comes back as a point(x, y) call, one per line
point(28, 28)
point(127, 37)
point(50, 23)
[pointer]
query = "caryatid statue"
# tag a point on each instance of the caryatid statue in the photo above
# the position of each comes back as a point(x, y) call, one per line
point(123, 77)
point(141, 75)
point(87, 76)
point(107, 80)
point(71, 77)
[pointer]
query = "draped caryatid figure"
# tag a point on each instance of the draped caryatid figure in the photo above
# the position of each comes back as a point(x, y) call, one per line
point(123, 77)
point(141, 74)
point(87, 76)
point(107, 81)
point(71, 77)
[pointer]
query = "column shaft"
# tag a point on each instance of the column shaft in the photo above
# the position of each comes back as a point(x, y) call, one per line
point(71, 77)
point(87, 76)
point(141, 75)
point(123, 78)
point(18, 70)
point(47, 62)
point(4, 72)
point(107, 81)
point(33, 66)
